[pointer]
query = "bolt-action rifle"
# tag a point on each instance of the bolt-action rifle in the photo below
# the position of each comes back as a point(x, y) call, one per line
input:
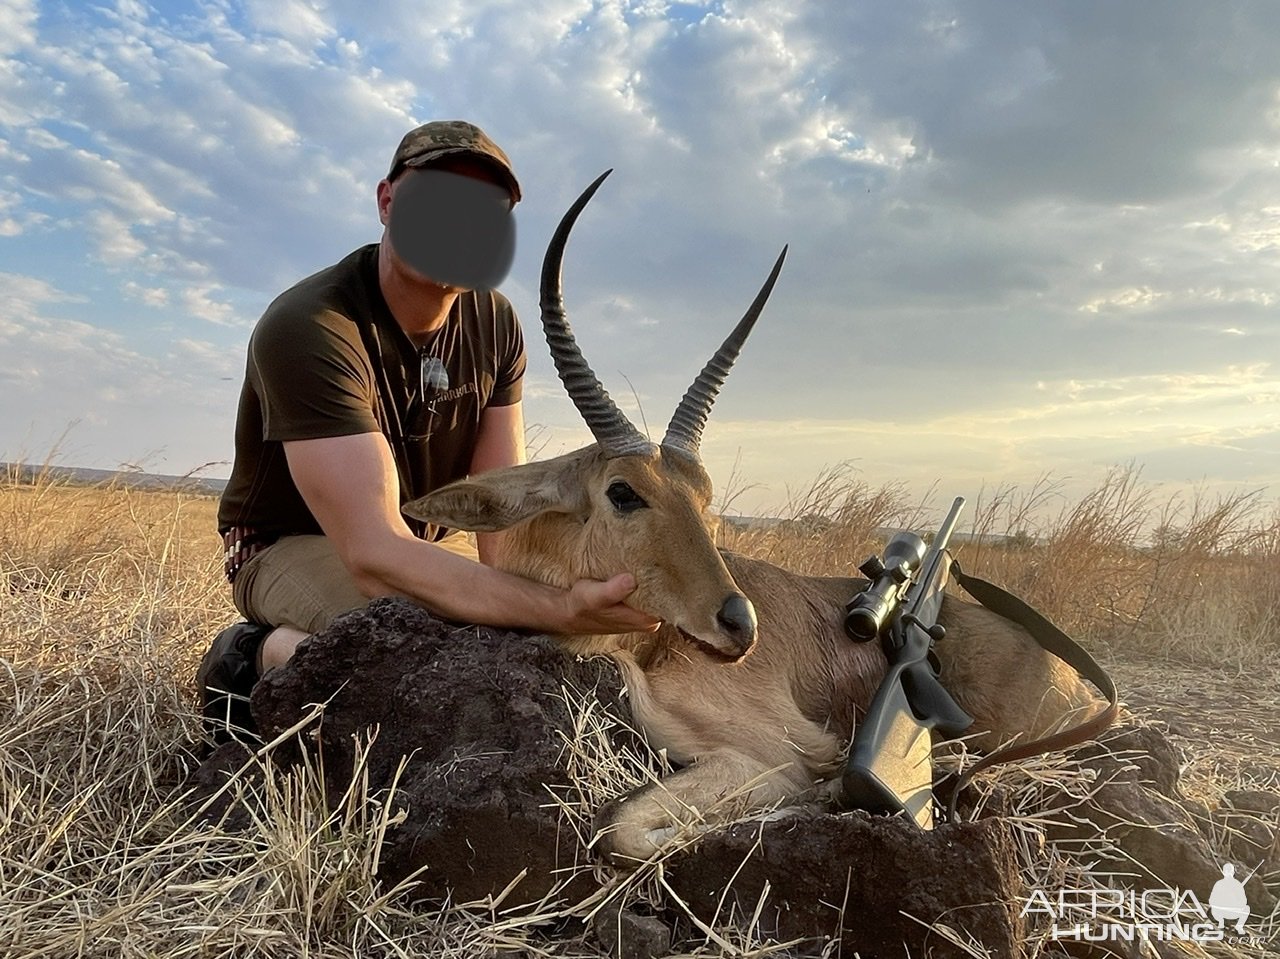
point(889, 768)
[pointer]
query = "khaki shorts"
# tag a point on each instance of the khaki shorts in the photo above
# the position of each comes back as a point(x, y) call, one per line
point(300, 581)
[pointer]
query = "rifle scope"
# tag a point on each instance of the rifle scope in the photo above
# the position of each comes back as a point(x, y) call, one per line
point(866, 612)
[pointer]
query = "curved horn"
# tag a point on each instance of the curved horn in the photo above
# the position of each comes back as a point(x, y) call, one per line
point(685, 432)
point(612, 430)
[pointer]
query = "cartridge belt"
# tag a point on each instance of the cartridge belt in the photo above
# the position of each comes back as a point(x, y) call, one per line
point(239, 545)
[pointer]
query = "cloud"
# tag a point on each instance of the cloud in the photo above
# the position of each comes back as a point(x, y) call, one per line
point(977, 197)
point(91, 394)
point(296, 21)
point(1183, 427)
point(231, 128)
point(1091, 101)
point(152, 296)
point(14, 219)
point(17, 25)
point(22, 294)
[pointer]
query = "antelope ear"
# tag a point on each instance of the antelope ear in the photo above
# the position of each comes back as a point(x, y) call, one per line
point(502, 498)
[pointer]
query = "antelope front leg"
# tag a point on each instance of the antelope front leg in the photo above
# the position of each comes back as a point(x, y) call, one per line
point(720, 786)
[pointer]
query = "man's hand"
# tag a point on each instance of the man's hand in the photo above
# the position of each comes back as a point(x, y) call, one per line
point(593, 606)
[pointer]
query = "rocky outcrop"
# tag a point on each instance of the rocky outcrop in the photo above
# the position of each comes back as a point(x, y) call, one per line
point(481, 716)
point(1159, 831)
point(876, 885)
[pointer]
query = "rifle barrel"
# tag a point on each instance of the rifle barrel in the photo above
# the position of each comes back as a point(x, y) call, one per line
point(929, 567)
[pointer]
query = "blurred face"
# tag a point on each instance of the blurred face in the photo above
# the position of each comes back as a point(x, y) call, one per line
point(451, 223)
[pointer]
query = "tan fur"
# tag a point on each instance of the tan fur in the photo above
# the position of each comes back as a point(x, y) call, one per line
point(759, 729)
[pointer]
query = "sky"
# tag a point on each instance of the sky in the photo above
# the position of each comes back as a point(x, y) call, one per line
point(1025, 238)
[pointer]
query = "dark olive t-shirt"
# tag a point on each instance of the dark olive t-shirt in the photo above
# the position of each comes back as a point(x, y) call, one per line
point(327, 358)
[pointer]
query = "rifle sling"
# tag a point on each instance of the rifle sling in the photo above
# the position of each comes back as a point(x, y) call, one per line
point(1050, 638)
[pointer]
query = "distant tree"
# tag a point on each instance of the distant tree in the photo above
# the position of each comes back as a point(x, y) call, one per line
point(1020, 540)
point(1168, 537)
point(814, 523)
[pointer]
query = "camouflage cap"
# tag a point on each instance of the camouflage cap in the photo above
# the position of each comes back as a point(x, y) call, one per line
point(442, 138)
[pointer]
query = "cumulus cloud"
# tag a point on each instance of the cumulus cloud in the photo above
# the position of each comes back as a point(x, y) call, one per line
point(17, 25)
point(978, 197)
point(95, 396)
point(152, 296)
point(138, 118)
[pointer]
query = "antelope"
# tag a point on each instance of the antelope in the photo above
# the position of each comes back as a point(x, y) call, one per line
point(750, 684)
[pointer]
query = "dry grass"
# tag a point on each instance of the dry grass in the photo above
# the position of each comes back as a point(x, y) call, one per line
point(108, 596)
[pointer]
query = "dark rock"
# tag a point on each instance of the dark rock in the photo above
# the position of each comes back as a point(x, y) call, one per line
point(1157, 831)
point(851, 877)
point(479, 712)
point(1142, 812)
point(1249, 841)
point(1136, 753)
point(1254, 800)
point(1157, 834)
point(626, 935)
point(208, 795)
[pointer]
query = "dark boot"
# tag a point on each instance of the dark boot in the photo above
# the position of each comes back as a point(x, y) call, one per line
point(225, 679)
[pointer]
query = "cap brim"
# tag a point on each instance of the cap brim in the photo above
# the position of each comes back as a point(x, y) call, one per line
point(430, 157)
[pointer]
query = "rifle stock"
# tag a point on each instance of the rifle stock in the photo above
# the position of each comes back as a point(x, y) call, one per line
point(890, 768)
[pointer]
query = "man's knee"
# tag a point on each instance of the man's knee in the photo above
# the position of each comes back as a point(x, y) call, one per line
point(279, 647)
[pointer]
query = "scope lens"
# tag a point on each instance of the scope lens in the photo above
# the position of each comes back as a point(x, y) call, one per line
point(862, 624)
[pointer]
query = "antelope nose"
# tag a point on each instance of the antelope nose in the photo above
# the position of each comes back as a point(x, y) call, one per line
point(737, 619)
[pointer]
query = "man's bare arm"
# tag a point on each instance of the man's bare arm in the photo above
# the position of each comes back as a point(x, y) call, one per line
point(499, 443)
point(350, 485)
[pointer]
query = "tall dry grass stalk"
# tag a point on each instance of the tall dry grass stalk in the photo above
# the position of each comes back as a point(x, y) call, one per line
point(1190, 576)
point(108, 597)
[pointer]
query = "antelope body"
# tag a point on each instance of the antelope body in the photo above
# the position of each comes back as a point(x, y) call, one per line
point(750, 684)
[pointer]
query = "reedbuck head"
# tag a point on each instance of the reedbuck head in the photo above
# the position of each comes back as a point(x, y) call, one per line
point(622, 504)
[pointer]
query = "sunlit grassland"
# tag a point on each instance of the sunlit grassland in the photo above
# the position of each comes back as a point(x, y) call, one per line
point(108, 597)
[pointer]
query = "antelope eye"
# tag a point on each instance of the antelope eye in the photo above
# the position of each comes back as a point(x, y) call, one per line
point(624, 498)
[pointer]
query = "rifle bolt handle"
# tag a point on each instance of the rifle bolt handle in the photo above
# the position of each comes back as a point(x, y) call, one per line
point(935, 632)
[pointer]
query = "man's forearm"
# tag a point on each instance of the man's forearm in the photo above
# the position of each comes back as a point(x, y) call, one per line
point(349, 484)
point(464, 590)
point(458, 588)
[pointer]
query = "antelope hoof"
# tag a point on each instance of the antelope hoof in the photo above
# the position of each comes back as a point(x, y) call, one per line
point(624, 843)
